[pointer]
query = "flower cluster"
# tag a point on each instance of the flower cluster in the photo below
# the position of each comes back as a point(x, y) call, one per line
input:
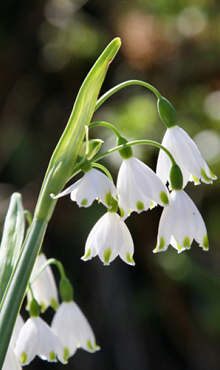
point(69, 329)
point(138, 189)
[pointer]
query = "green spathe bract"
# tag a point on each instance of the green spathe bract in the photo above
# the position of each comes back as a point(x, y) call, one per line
point(58, 173)
point(64, 157)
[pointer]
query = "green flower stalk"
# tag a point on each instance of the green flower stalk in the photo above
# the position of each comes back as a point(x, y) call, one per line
point(58, 173)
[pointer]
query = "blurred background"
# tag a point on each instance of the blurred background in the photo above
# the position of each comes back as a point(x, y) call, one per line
point(164, 313)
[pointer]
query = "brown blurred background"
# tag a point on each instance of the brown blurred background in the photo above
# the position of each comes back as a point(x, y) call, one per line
point(164, 313)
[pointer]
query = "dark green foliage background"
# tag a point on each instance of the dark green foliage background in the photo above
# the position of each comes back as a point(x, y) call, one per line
point(164, 313)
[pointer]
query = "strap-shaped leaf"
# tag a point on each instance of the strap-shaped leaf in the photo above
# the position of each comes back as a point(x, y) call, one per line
point(12, 238)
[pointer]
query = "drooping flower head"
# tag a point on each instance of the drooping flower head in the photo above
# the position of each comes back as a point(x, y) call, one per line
point(187, 156)
point(37, 339)
point(109, 238)
point(70, 325)
point(138, 187)
point(73, 330)
point(93, 185)
point(180, 223)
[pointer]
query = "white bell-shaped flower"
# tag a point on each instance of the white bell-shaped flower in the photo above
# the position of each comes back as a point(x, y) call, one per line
point(180, 223)
point(93, 185)
point(109, 238)
point(139, 188)
point(36, 338)
point(11, 361)
point(187, 156)
point(73, 330)
point(44, 287)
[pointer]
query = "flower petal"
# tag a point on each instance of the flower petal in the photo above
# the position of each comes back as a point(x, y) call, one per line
point(73, 329)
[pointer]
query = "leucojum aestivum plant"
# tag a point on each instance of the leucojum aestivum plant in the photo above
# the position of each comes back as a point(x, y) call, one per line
point(24, 269)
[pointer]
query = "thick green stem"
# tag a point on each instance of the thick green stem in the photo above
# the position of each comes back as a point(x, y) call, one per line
point(18, 283)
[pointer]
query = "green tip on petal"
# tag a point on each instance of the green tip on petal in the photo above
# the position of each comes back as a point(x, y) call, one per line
point(122, 212)
point(86, 256)
point(107, 255)
point(54, 304)
point(204, 175)
point(52, 356)
point(23, 358)
point(130, 259)
point(66, 353)
point(160, 247)
point(164, 197)
point(180, 249)
point(196, 180)
point(140, 206)
point(42, 307)
point(89, 345)
point(186, 242)
point(205, 243)
point(84, 202)
point(212, 174)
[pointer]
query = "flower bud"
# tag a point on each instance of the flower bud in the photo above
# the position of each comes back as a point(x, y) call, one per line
point(176, 177)
point(166, 112)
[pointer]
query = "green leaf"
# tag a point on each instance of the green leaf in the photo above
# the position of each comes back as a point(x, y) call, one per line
point(12, 238)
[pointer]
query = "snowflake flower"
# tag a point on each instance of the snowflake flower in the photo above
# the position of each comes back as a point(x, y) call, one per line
point(109, 238)
point(180, 223)
point(73, 330)
point(93, 185)
point(138, 187)
point(187, 156)
point(37, 339)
